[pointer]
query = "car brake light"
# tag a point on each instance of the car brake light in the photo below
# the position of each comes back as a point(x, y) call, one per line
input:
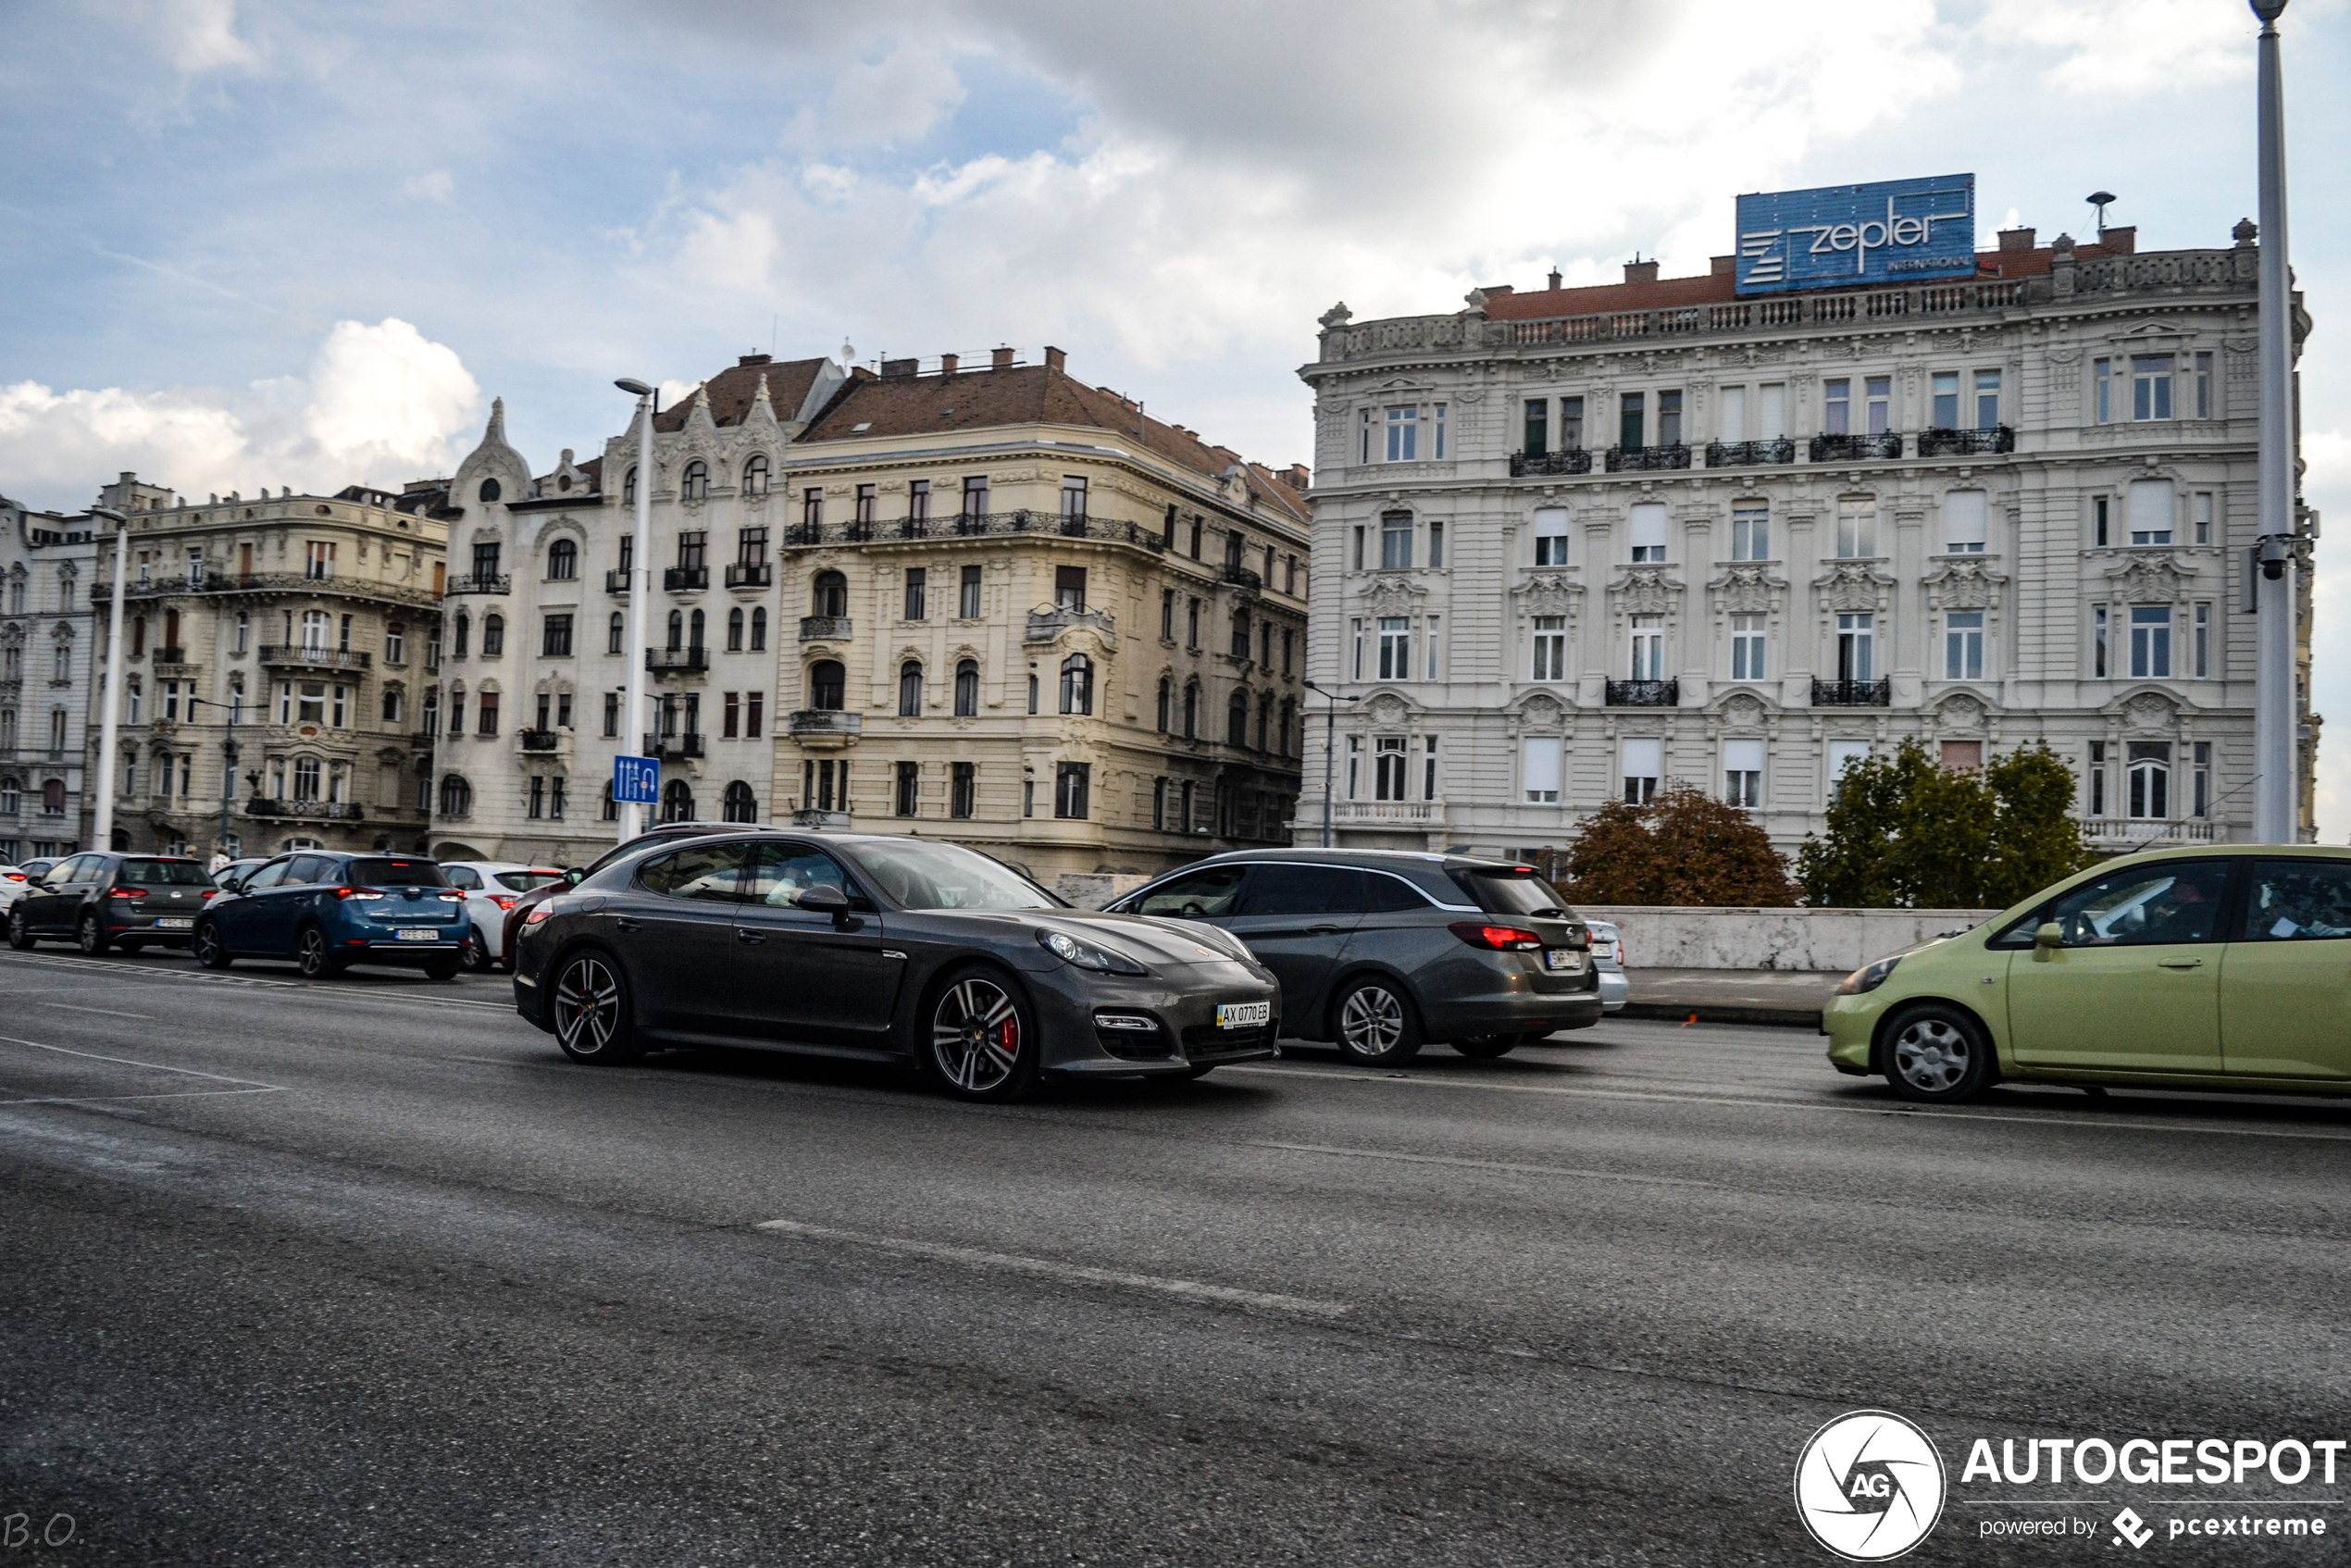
point(129, 892)
point(452, 898)
point(359, 892)
point(211, 892)
point(16, 876)
point(1499, 939)
point(506, 902)
point(538, 912)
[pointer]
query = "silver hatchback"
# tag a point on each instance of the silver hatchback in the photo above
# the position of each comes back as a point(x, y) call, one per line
point(1383, 951)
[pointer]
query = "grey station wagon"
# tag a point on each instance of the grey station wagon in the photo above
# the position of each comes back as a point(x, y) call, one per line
point(1383, 951)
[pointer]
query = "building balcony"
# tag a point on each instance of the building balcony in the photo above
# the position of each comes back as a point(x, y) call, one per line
point(677, 661)
point(670, 748)
point(1749, 453)
point(1856, 449)
point(541, 739)
point(1417, 813)
point(825, 729)
point(826, 629)
point(2124, 834)
point(422, 739)
point(617, 582)
point(1644, 693)
point(1542, 464)
point(1646, 459)
point(1045, 625)
point(305, 811)
point(479, 582)
point(279, 656)
point(819, 819)
point(1878, 693)
point(171, 655)
point(750, 574)
point(974, 525)
point(1939, 442)
point(273, 582)
point(1241, 577)
point(684, 579)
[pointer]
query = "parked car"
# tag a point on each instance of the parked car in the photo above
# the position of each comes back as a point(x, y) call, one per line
point(2216, 967)
point(882, 949)
point(491, 887)
point(14, 880)
point(667, 832)
point(1383, 951)
point(1608, 956)
point(102, 899)
point(326, 910)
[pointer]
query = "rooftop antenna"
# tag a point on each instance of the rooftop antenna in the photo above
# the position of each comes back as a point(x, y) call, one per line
point(2100, 199)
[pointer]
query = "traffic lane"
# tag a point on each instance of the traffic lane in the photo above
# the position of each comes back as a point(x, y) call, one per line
point(1564, 1255)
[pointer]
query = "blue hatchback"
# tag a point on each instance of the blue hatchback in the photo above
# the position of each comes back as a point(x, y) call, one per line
point(325, 911)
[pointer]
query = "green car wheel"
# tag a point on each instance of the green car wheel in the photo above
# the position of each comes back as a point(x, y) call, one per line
point(1936, 1054)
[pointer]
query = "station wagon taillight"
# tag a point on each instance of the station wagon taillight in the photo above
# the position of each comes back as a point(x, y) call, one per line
point(1497, 939)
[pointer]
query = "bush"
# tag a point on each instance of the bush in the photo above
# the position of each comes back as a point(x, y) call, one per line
point(1682, 848)
point(1906, 833)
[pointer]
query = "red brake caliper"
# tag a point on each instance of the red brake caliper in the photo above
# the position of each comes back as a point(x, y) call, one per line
point(1006, 1034)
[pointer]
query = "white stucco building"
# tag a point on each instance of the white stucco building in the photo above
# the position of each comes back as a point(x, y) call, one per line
point(46, 674)
point(1571, 545)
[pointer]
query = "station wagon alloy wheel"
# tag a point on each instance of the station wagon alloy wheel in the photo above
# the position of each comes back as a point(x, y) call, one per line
point(592, 1011)
point(1375, 1027)
point(980, 1040)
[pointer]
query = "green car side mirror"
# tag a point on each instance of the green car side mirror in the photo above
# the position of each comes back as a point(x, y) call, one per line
point(2048, 934)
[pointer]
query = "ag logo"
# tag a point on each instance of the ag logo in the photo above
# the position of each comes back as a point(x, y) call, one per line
point(1869, 1486)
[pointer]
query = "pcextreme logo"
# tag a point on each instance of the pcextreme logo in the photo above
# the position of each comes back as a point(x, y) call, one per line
point(1869, 1486)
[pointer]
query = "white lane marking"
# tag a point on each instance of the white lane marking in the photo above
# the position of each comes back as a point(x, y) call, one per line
point(128, 1061)
point(2054, 1119)
point(110, 1012)
point(1191, 1289)
point(1504, 1165)
point(175, 1094)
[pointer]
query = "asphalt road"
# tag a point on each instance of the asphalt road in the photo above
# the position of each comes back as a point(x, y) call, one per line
point(364, 1271)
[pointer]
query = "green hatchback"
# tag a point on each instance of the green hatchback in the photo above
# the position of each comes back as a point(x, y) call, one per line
point(2207, 968)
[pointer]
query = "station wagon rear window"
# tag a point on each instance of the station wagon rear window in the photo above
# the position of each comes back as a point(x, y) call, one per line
point(1510, 890)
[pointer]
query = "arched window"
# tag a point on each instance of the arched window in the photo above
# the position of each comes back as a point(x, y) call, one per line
point(693, 632)
point(755, 484)
point(967, 689)
point(1191, 709)
point(759, 630)
point(563, 561)
point(616, 634)
point(831, 595)
point(695, 486)
point(735, 629)
point(1237, 720)
point(1166, 700)
point(493, 636)
point(457, 795)
point(629, 489)
point(677, 802)
point(612, 807)
point(1077, 684)
point(458, 635)
point(828, 685)
point(910, 689)
point(394, 700)
point(490, 491)
point(741, 804)
point(676, 630)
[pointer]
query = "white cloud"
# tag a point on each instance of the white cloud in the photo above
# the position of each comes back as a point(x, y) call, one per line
point(195, 36)
point(380, 404)
point(433, 187)
point(2124, 47)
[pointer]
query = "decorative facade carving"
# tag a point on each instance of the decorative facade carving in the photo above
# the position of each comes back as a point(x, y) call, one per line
point(1964, 585)
point(1747, 589)
point(2149, 711)
point(1647, 591)
point(1548, 593)
point(1850, 587)
point(1393, 595)
point(2150, 581)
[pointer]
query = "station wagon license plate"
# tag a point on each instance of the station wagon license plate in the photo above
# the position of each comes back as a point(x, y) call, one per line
point(1559, 958)
point(1242, 1014)
point(410, 934)
point(175, 923)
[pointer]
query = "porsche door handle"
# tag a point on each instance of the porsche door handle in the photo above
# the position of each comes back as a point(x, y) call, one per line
point(625, 923)
point(749, 938)
point(1322, 930)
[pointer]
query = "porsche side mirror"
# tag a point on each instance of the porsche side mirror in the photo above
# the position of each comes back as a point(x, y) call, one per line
point(824, 899)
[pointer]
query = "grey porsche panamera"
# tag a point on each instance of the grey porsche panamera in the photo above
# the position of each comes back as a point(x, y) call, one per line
point(874, 946)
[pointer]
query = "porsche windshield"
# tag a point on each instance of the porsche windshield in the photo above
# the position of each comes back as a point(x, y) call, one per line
point(948, 876)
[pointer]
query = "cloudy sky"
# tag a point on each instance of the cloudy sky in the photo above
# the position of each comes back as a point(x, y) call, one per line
point(249, 242)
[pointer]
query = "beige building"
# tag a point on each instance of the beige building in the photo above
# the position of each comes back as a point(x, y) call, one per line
point(280, 653)
point(1023, 615)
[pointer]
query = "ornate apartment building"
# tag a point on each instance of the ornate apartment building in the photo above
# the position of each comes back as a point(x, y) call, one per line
point(46, 561)
point(279, 657)
point(1574, 543)
point(996, 605)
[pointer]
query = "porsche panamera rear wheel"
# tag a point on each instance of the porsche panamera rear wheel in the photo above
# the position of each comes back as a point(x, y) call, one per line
point(983, 1040)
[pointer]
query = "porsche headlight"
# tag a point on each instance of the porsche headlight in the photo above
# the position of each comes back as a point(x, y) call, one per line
point(1867, 977)
point(1087, 955)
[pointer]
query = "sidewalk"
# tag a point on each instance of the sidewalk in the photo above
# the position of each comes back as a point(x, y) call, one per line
point(1793, 998)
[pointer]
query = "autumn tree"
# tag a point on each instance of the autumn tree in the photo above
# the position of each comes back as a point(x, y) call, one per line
point(1682, 848)
point(1905, 832)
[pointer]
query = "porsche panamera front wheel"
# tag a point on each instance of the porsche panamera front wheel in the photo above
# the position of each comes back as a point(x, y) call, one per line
point(983, 1040)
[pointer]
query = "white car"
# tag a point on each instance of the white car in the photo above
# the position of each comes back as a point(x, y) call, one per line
point(1608, 957)
point(490, 888)
point(13, 882)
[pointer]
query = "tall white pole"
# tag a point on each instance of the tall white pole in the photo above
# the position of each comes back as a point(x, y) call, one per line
point(102, 833)
point(632, 817)
point(2275, 747)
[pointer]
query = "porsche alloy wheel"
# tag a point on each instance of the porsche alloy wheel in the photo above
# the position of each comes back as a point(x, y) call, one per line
point(982, 1045)
point(592, 1011)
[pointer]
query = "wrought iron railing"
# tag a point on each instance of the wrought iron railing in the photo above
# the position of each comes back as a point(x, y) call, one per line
point(1576, 460)
point(750, 574)
point(1243, 577)
point(972, 525)
point(541, 739)
point(1848, 449)
point(617, 580)
point(305, 811)
point(684, 579)
point(1644, 693)
point(1878, 693)
point(269, 582)
point(825, 721)
point(1646, 459)
point(826, 629)
point(314, 658)
point(676, 661)
point(1946, 442)
point(1749, 453)
point(481, 582)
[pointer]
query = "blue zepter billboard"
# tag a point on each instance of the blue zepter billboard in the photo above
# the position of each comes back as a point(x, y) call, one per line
point(1891, 232)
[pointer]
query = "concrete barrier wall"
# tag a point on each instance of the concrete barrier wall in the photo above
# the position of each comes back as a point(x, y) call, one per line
point(1774, 939)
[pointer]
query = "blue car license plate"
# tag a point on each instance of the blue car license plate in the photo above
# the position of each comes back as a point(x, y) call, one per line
point(410, 934)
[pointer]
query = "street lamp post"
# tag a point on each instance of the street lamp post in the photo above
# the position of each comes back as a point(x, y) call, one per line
point(2275, 817)
point(228, 765)
point(1330, 736)
point(103, 829)
point(640, 586)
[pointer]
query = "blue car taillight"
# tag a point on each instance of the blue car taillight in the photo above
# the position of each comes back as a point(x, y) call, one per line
point(361, 894)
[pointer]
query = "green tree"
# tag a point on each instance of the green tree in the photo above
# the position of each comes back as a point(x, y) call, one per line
point(1905, 832)
point(1682, 848)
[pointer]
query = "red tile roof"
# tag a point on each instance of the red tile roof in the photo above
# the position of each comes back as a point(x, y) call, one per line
point(733, 390)
point(1722, 288)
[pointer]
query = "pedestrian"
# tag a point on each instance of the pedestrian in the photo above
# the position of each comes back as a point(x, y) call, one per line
point(218, 863)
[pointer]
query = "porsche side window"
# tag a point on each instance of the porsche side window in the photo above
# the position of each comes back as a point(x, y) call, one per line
point(779, 874)
point(705, 871)
point(1204, 893)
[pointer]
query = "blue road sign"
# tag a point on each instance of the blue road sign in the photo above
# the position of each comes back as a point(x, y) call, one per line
point(635, 780)
point(1893, 232)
